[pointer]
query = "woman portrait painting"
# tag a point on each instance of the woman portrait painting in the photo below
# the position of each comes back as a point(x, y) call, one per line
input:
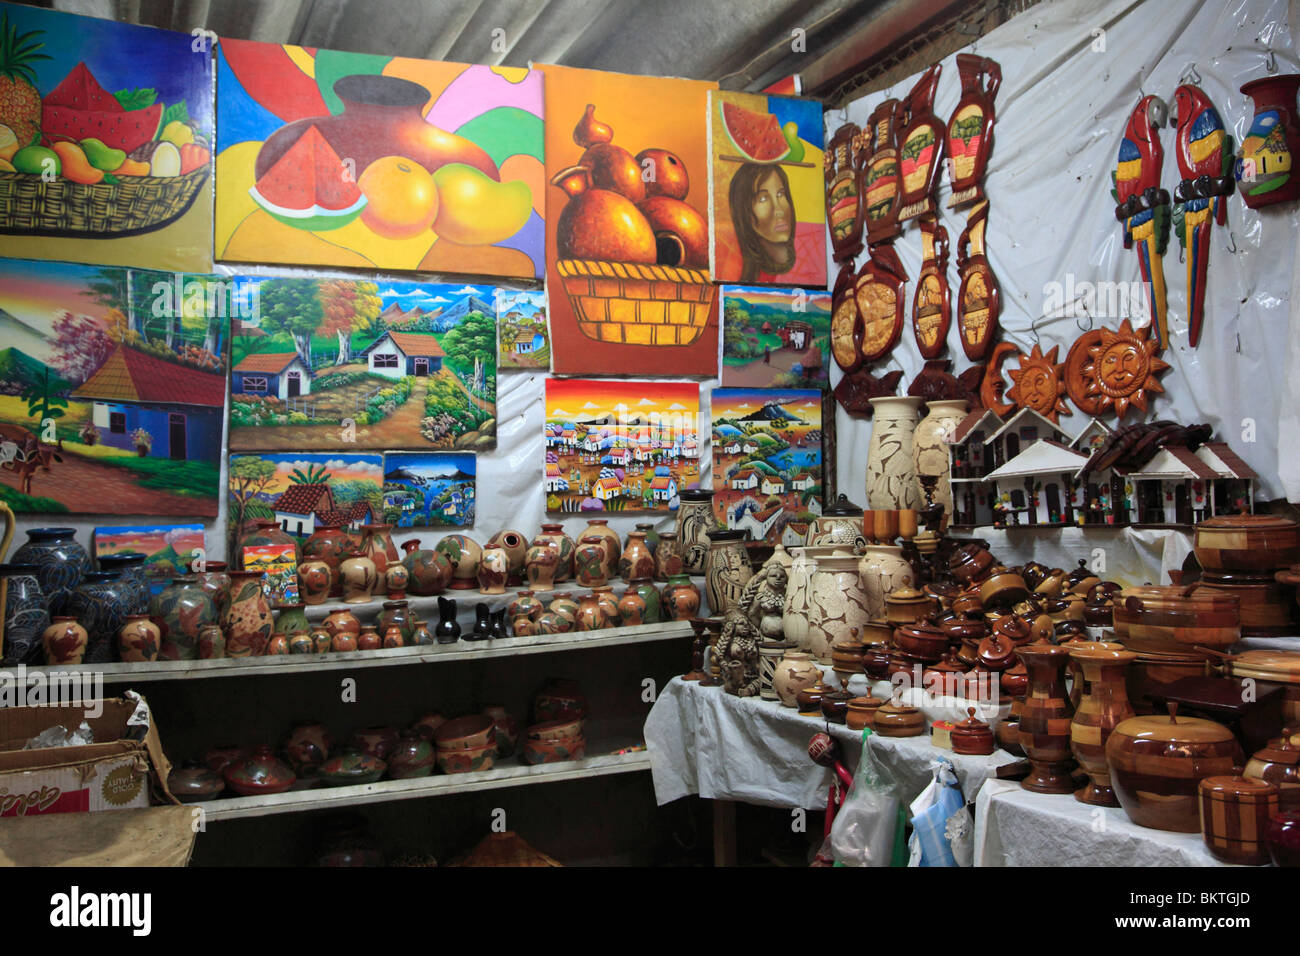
point(762, 213)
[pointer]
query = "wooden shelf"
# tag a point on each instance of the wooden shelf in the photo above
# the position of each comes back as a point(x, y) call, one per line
point(511, 773)
point(462, 650)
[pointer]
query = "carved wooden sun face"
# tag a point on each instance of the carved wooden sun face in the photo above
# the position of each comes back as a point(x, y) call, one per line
point(1121, 369)
point(1039, 384)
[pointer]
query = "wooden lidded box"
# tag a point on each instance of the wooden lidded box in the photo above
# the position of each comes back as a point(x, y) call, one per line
point(1235, 815)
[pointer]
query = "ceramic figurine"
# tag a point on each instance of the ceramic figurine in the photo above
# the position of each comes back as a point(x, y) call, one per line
point(1142, 206)
point(879, 293)
point(542, 565)
point(554, 534)
point(1039, 384)
point(695, 519)
point(737, 649)
point(482, 629)
point(970, 130)
point(429, 570)
point(880, 176)
point(497, 624)
point(64, 641)
point(248, 622)
point(139, 639)
point(1267, 158)
point(979, 299)
point(891, 479)
point(921, 148)
point(931, 302)
point(763, 600)
point(102, 601)
point(61, 563)
point(181, 610)
point(314, 581)
point(515, 545)
point(493, 571)
point(844, 205)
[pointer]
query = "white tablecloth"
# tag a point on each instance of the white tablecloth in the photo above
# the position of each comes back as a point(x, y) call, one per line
point(1014, 827)
point(702, 740)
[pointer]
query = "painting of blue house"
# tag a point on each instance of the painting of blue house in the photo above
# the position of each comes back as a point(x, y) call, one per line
point(280, 374)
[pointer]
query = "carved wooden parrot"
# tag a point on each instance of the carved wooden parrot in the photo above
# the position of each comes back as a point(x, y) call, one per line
point(1142, 206)
point(1204, 151)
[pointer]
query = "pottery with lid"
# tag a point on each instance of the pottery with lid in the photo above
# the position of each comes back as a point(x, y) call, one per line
point(1157, 762)
point(840, 524)
point(194, 783)
point(996, 652)
point(972, 736)
point(1003, 588)
point(1247, 543)
point(1014, 628)
point(896, 719)
point(861, 712)
point(1278, 763)
point(971, 564)
point(1081, 579)
point(260, 772)
point(908, 605)
point(835, 705)
point(968, 603)
point(922, 640)
point(1235, 816)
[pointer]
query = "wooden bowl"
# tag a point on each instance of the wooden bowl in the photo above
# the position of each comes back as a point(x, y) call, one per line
point(895, 719)
point(464, 733)
point(1003, 589)
point(1170, 614)
point(922, 641)
point(1247, 543)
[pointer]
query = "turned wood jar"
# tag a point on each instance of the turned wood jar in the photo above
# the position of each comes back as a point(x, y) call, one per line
point(972, 736)
point(1278, 763)
point(971, 564)
point(861, 712)
point(908, 605)
point(1266, 600)
point(1003, 588)
point(1157, 762)
point(1045, 719)
point(1235, 815)
point(1103, 706)
point(924, 642)
point(1281, 668)
point(1151, 672)
point(1165, 618)
point(896, 719)
point(1247, 543)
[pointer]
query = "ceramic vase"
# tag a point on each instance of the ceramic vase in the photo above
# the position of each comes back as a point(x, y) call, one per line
point(882, 569)
point(64, 641)
point(101, 603)
point(1268, 155)
point(61, 564)
point(1045, 719)
point(340, 622)
point(140, 639)
point(769, 656)
point(592, 615)
point(212, 642)
point(589, 566)
point(307, 746)
point(320, 639)
point(930, 449)
point(129, 567)
point(668, 556)
point(398, 613)
point(26, 614)
point(794, 672)
point(369, 639)
point(215, 580)
point(464, 553)
point(412, 756)
point(728, 569)
point(359, 577)
point(331, 544)
point(566, 608)
point(631, 609)
point(695, 519)
point(291, 617)
point(263, 532)
point(515, 545)
point(448, 629)
point(554, 534)
point(682, 598)
point(542, 565)
point(421, 635)
point(248, 621)
point(837, 605)
point(526, 605)
point(493, 571)
point(891, 477)
point(429, 570)
point(315, 581)
point(599, 528)
point(608, 602)
point(794, 612)
point(396, 579)
point(377, 545)
point(637, 563)
point(1102, 707)
point(345, 642)
point(653, 602)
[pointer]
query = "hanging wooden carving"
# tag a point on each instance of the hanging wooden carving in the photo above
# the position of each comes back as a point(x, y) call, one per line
point(1076, 382)
point(880, 296)
point(920, 150)
point(970, 131)
point(1205, 156)
point(993, 386)
point(857, 389)
point(936, 381)
point(931, 305)
point(846, 321)
point(1121, 369)
point(881, 180)
point(1142, 206)
point(844, 206)
point(979, 301)
point(1039, 384)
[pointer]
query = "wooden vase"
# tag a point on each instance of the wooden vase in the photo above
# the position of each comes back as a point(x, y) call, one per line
point(1102, 707)
point(1045, 722)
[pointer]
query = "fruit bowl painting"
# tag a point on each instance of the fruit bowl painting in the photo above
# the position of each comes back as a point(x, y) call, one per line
point(105, 142)
point(765, 162)
point(385, 163)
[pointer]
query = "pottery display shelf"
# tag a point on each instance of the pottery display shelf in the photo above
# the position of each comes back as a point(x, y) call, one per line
point(602, 760)
point(462, 650)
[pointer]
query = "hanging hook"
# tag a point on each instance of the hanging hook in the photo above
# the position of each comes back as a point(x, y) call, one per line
point(1190, 75)
point(1080, 325)
point(1033, 330)
point(1232, 242)
point(1181, 253)
point(1270, 62)
point(1238, 343)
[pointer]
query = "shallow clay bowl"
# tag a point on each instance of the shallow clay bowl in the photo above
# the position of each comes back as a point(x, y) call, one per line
point(464, 733)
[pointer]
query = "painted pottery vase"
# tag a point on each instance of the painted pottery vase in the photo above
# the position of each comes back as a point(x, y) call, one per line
point(637, 563)
point(523, 626)
point(400, 614)
point(566, 607)
point(515, 545)
point(839, 525)
point(794, 610)
point(215, 580)
point(727, 570)
point(396, 578)
point(883, 569)
point(331, 544)
point(891, 477)
point(259, 773)
point(248, 621)
point(212, 642)
point(542, 565)
point(770, 654)
point(291, 617)
point(554, 534)
point(651, 535)
point(525, 604)
point(1103, 706)
point(668, 556)
point(682, 598)
point(794, 672)
point(349, 767)
point(140, 639)
point(560, 699)
point(102, 603)
point(695, 519)
point(61, 563)
point(64, 641)
point(307, 746)
point(505, 729)
point(314, 581)
point(129, 566)
point(552, 623)
point(650, 597)
point(341, 621)
point(631, 609)
point(589, 568)
point(192, 782)
point(359, 578)
point(1271, 148)
point(1045, 719)
point(930, 449)
point(493, 571)
point(320, 639)
point(608, 602)
point(599, 528)
point(300, 642)
point(377, 545)
point(463, 553)
point(412, 756)
point(448, 629)
point(421, 635)
point(393, 636)
point(837, 605)
point(369, 639)
point(265, 532)
point(430, 570)
point(592, 615)
point(277, 645)
point(218, 758)
point(344, 642)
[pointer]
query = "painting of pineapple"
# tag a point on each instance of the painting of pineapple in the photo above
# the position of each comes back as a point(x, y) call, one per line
point(20, 103)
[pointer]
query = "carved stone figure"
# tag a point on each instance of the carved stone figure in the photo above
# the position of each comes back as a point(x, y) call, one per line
point(737, 649)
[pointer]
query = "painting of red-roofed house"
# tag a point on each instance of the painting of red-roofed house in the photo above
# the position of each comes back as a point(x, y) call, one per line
point(112, 387)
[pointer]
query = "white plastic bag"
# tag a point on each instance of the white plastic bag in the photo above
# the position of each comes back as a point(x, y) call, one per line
point(863, 832)
point(941, 831)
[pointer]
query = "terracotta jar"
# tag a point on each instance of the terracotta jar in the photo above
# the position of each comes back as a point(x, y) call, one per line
point(396, 578)
point(291, 617)
point(695, 519)
point(463, 553)
point(1235, 816)
point(139, 639)
point(589, 561)
point(591, 615)
point(931, 457)
point(1279, 764)
point(565, 607)
point(794, 672)
point(182, 608)
point(1045, 719)
point(64, 641)
point(515, 545)
point(493, 571)
point(398, 613)
point(349, 767)
point(972, 736)
point(300, 642)
point(212, 642)
point(1103, 706)
point(631, 609)
point(429, 569)
point(542, 565)
point(315, 581)
point(668, 556)
point(341, 621)
point(328, 543)
point(653, 601)
point(554, 534)
point(727, 570)
point(1271, 147)
point(599, 528)
point(637, 563)
point(525, 604)
point(369, 639)
point(320, 639)
point(191, 782)
point(769, 656)
point(262, 532)
point(377, 545)
point(681, 598)
point(609, 603)
point(891, 475)
point(412, 756)
point(259, 773)
point(883, 569)
point(837, 606)
point(278, 644)
point(1157, 763)
point(307, 746)
point(359, 577)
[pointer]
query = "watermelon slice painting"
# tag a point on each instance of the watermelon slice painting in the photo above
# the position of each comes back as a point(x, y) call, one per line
point(766, 190)
point(307, 187)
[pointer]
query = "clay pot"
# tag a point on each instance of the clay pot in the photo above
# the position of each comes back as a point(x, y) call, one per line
point(554, 534)
point(795, 671)
point(728, 569)
point(794, 610)
point(608, 603)
point(681, 598)
point(907, 606)
point(129, 568)
point(64, 641)
point(591, 615)
point(351, 767)
point(248, 622)
point(278, 644)
point(60, 563)
point(193, 783)
point(541, 565)
point(464, 733)
point(307, 746)
point(397, 613)
point(320, 639)
point(695, 519)
point(515, 545)
point(599, 528)
point(837, 605)
point(565, 607)
point(526, 605)
point(292, 617)
point(376, 741)
point(377, 545)
point(259, 773)
point(330, 544)
point(882, 570)
point(559, 700)
point(429, 570)
point(631, 609)
point(493, 571)
point(265, 532)
point(215, 581)
point(589, 561)
point(463, 553)
point(212, 642)
point(637, 563)
point(668, 556)
point(218, 758)
point(369, 639)
point(412, 756)
point(1271, 145)
point(315, 581)
point(652, 600)
point(180, 610)
point(891, 475)
point(396, 578)
point(1103, 706)
point(359, 578)
point(139, 639)
point(341, 621)
point(505, 729)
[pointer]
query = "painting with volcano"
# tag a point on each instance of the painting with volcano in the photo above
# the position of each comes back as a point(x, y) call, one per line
point(775, 338)
point(767, 460)
point(171, 549)
point(105, 142)
point(112, 388)
point(370, 162)
point(429, 490)
point(614, 445)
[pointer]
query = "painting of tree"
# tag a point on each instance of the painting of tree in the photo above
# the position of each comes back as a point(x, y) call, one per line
point(348, 307)
point(292, 306)
point(249, 477)
point(80, 346)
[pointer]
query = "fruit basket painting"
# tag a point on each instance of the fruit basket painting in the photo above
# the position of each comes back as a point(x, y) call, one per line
point(98, 148)
point(376, 162)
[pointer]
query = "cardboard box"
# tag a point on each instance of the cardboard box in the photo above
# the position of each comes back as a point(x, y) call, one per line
point(125, 768)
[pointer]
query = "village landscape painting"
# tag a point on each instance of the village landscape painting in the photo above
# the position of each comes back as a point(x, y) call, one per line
point(429, 490)
point(775, 338)
point(348, 364)
point(767, 461)
point(522, 330)
point(171, 548)
point(112, 386)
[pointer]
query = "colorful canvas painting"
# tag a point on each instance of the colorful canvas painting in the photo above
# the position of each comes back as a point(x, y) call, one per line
point(112, 389)
point(775, 338)
point(171, 548)
point(358, 364)
point(279, 564)
point(767, 189)
point(522, 332)
point(374, 162)
point(105, 142)
point(767, 460)
point(614, 445)
point(301, 490)
point(627, 225)
point(429, 490)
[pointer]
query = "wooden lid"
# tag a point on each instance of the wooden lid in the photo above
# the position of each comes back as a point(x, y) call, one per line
point(1174, 729)
point(1278, 750)
point(971, 725)
point(1237, 787)
point(1101, 651)
point(1247, 523)
point(905, 594)
point(1286, 664)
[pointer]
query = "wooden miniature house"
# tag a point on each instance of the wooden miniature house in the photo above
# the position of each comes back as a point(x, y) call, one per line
point(1038, 486)
point(971, 460)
